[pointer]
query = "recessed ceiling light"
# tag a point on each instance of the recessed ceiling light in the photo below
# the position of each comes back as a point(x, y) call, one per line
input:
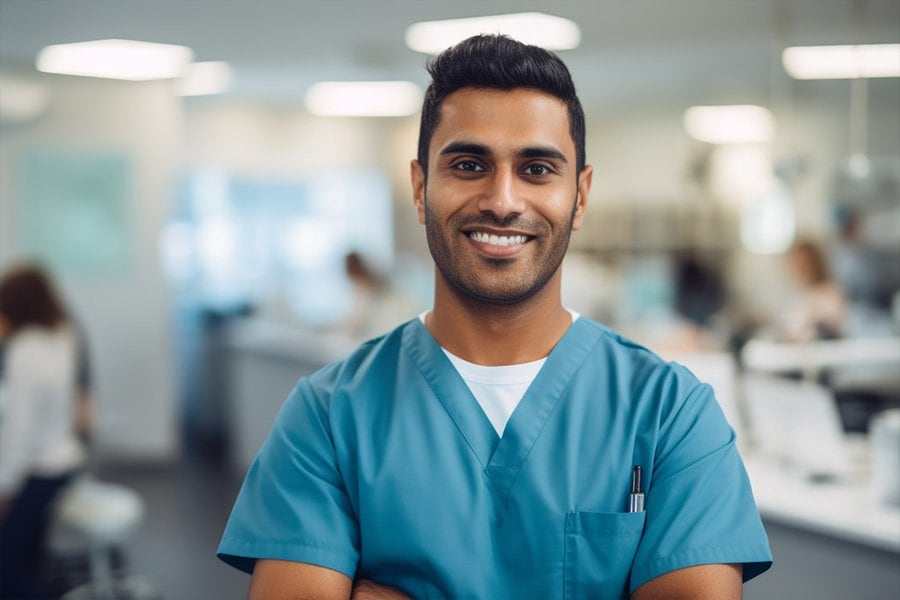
point(116, 59)
point(842, 62)
point(539, 29)
point(730, 124)
point(205, 78)
point(364, 98)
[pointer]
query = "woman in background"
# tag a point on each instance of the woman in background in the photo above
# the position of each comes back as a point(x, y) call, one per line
point(820, 310)
point(41, 413)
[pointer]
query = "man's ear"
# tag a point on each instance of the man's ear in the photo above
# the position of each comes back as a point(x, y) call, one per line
point(417, 179)
point(581, 200)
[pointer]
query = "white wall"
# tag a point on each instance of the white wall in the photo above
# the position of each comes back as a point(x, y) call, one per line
point(126, 316)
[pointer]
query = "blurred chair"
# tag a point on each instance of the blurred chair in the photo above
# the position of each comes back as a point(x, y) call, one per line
point(94, 518)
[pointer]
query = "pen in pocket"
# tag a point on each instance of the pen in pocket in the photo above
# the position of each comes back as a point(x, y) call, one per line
point(636, 497)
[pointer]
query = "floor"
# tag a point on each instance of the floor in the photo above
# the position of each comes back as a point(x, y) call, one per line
point(186, 509)
point(187, 506)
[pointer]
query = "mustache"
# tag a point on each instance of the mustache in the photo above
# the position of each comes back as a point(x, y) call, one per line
point(512, 220)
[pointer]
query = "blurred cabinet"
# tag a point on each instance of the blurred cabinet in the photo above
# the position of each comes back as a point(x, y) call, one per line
point(263, 365)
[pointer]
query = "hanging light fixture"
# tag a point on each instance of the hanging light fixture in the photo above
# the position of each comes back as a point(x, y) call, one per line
point(130, 60)
point(547, 31)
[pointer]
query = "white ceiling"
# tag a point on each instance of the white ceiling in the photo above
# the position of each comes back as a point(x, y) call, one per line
point(631, 50)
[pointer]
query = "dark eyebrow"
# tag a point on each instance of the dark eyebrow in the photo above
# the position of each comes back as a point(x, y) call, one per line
point(482, 150)
point(466, 148)
point(542, 152)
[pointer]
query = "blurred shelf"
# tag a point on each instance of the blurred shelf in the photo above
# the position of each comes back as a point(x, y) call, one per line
point(658, 227)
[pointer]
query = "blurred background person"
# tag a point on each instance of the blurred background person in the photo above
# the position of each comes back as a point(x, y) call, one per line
point(853, 262)
point(377, 306)
point(819, 308)
point(700, 299)
point(42, 418)
point(367, 284)
point(866, 274)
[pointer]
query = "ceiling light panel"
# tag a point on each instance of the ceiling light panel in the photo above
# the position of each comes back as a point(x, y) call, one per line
point(116, 59)
point(539, 29)
point(842, 62)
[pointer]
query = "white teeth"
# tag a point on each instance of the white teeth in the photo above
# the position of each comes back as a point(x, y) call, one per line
point(497, 240)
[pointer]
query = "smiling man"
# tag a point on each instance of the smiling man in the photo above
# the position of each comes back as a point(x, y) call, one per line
point(489, 448)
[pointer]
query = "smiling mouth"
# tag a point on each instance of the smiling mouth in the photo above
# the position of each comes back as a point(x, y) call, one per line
point(497, 240)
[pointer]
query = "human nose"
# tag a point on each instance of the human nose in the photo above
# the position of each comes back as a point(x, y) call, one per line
point(502, 198)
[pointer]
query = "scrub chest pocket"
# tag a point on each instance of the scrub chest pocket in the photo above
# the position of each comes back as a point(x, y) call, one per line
point(599, 551)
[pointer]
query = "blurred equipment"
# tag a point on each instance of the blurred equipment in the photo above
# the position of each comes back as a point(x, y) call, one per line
point(862, 373)
point(884, 434)
point(798, 424)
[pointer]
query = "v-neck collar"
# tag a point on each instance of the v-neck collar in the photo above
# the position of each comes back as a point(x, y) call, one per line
point(501, 458)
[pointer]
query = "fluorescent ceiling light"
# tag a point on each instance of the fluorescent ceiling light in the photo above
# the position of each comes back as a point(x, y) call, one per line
point(842, 62)
point(547, 31)
point(730, 124)
point(116, 59)
point(364, 98)
point(205, 78)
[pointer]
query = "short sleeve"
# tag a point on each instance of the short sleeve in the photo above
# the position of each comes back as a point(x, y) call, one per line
point(293, 504)
point(699, 503)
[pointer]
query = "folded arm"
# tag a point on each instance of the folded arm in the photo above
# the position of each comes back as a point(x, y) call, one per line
point(702, 582)
point(282, 579)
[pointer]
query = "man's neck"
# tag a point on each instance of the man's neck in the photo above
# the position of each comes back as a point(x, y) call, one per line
point(492, 335)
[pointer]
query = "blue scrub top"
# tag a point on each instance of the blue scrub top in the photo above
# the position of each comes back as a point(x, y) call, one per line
point(383, 466)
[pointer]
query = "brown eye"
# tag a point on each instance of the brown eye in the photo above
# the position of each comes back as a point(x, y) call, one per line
point(468, 165)
point(537, 170)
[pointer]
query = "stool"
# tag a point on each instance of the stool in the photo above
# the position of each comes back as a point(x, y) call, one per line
point(93, 517)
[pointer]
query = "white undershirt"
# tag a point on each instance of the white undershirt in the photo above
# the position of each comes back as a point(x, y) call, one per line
point(498, 390)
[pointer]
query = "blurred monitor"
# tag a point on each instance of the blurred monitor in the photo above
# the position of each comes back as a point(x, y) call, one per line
point(797, 422)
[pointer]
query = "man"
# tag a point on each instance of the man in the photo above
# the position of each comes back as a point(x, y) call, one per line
point(486, 449)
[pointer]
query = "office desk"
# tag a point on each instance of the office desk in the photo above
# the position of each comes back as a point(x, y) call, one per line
point(846, 509)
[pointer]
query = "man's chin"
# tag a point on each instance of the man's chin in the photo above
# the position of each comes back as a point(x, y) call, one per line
point(497, 296)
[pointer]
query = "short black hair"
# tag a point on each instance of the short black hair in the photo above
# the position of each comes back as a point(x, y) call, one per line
point(498, 62)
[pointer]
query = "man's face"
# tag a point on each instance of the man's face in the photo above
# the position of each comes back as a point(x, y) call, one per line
point(502, 194)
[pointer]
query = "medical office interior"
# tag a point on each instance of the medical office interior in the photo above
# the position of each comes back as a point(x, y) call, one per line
point(223, 227)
